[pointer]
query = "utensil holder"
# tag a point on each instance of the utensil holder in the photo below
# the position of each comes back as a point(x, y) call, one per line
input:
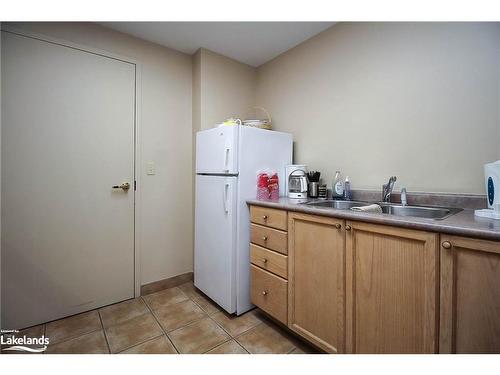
point(313, 189)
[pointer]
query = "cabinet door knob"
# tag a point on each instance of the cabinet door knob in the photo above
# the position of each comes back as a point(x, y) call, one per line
point(347, 227)
point(446, 244)
point(264, 238)
point(264, 260)
point(264, 292)
point(264, 217)
point(338, 226)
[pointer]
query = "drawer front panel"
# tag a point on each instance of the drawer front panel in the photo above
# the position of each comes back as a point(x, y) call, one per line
point(269, 292)
point(270, 238)
point(269, 217)
point(269, 260)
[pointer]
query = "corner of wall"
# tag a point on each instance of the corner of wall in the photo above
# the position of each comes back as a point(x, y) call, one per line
point(196, 90)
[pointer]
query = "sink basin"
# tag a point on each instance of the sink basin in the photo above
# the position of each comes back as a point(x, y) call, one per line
point(437, 213)
point(338, 204)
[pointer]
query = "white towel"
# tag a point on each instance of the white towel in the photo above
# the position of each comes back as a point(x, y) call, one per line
point(372, 208)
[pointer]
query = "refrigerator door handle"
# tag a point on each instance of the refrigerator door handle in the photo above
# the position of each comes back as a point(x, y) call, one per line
point(226, 196)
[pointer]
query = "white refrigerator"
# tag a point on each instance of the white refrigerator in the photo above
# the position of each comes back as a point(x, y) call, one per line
point(227, 163)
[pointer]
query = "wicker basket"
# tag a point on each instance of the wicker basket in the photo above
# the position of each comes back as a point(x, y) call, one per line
point(259, 123)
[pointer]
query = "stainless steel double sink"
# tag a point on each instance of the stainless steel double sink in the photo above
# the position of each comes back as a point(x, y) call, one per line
point(436, 213)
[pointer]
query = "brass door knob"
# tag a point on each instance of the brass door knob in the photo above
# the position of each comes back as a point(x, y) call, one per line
point(264, 292)
point(125, 186)
point(347, 227)
point(338, 226)
point(446, 244)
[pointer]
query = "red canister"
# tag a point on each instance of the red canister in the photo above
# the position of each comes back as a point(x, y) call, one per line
point(262, 186)
point(274, 187)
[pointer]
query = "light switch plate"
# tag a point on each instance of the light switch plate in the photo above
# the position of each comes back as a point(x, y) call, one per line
point(151, 168)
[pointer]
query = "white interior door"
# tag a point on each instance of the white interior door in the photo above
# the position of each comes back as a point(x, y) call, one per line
point(68, 119)
point(215, 235)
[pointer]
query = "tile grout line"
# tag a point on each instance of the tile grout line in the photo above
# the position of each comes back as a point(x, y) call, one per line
point(192, 299)
point(200, 296)
point(231, 336)
point(161, 327)
point(139, 343)
point(216, 323)
point(125, 321)
point(240, 344)
point(104, 331)
point(205, 311)
point(194, 322)
point(234, 337)
point(143, 341)
point(248, 330)
point(221, 327)
point(229, 333)
point(75, 337)
point(216, 346)
point(245, 349)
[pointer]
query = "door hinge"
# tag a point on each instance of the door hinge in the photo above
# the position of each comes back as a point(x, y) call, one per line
point(135, 185)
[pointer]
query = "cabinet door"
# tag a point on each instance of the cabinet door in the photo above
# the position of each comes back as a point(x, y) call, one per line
point(392, 289)
point(316, 248)
point(470, 296)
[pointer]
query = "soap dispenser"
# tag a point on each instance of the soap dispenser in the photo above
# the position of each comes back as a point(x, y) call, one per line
point(338, 186)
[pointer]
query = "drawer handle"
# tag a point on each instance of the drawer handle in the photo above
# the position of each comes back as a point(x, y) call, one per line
point(446, 244)
point(264, 238)
point(347, 227)
point(264, 292)
point(264, 260)
point(264, 217)
point(338, 226)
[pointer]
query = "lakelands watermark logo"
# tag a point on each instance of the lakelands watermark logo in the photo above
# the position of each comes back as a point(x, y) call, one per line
point(23, 343)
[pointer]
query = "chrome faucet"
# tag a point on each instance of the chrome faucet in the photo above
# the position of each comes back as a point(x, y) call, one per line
point(387, 189)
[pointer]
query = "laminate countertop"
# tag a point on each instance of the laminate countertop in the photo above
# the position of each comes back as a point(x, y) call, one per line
point(463, 223)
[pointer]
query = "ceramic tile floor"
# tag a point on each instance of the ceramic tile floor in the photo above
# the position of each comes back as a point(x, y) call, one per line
point(176, 320)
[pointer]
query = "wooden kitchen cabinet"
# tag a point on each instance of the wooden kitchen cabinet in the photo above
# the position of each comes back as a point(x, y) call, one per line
point(391, 289)
point(355, 287)
point(470, 295)
point(316, 280)
point(269, 263)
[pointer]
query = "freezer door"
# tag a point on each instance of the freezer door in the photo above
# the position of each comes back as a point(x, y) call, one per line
point(217, 150)
point(215, 239)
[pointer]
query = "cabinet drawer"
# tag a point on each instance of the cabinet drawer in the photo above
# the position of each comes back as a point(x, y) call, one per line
point(269, 260)
point(270, 238)
point(270, 217)
point(269, 292)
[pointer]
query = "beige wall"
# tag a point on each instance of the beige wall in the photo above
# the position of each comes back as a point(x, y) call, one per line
point(196, 92)
point(416, 100)
point(226, 88)
point(166, 138)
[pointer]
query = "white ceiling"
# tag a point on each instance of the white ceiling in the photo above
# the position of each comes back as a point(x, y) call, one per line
point(253, 43)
